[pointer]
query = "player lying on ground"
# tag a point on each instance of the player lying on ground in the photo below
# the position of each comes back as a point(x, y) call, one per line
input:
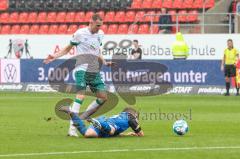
point(107, 127)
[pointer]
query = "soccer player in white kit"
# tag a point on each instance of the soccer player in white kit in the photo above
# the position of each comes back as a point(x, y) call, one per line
point(88, 41)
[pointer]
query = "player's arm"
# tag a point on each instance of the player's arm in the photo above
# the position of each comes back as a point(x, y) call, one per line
point(134, 124)
point(61, 53)
point(104, 62)
point(223, 62)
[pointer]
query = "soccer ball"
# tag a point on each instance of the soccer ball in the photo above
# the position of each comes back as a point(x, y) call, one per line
point(180, 127)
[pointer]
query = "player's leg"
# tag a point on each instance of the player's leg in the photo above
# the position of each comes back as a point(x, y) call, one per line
point(233, 75)
point(102, 124)
point(81, 87)
point(227, 79)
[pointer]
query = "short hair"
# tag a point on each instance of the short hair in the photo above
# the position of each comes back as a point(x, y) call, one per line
point(230, 40)
point(96, 17)
point(131, 110)
point(135, 41)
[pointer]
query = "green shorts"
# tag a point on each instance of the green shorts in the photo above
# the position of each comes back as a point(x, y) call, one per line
point(93, 80)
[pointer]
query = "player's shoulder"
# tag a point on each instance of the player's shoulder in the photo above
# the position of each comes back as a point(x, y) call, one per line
point(100, 32)
point(82, 31)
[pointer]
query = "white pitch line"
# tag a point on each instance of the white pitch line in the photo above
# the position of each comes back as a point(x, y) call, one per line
point(119, 150)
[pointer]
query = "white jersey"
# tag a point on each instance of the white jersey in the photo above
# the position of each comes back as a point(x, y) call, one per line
point(87, 43)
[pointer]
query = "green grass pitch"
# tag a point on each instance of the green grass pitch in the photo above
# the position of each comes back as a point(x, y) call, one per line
point(214, 129)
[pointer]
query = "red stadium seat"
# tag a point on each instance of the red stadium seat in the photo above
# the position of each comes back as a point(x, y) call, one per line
point(167, 4)
point(3, 4)
point(187, 4)
point(157, 4)
point(42, 17)
point(156, 18)
point(130, 16)
point(140, 16)
point(150, 18)
point(104, 28)
point(101, 13)
point(143, 29)
point(34, 29)
point(88, 16)
point(53, 29)
point(5, 29)
point(24, 29)
point(79, 17)
point(62, 29)
point(122, 29)
point(112, 29)
point(155, 29)
point(32, 17)
point(4, 18)
point(51, 17)
point(198, 4)
point(82, 26)
point(43, 29)
point(72, 29)
point(147, 4)
point(23, 17)
point(133, 29)
point(209, 3)
point(70, 17)
point(61, 16)
point(13, 17)
point(178, 4)
point(192, 16)
point(120, 16)
point(182, 17)
point(15, 29)
point(173, 15)
point(109, 17)
point(136, 4)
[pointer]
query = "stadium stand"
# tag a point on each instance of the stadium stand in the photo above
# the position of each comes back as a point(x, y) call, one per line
point(62, 16)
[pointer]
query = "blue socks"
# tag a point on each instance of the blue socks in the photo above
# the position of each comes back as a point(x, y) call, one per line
point(78, 123)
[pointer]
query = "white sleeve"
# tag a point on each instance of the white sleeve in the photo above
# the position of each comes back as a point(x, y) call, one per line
point(75, 39)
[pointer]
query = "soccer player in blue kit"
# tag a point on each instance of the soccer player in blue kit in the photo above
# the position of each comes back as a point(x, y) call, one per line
point(107, 126)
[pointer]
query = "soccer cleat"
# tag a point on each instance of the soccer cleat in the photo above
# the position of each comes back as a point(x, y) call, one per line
point(237, 94)
point(95, 123)
point(226, 94)
point(72, 132)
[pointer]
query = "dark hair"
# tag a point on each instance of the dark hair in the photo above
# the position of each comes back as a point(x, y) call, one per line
point(131, 110)
point(230, 40)
point(135, 41)
point(96, 17)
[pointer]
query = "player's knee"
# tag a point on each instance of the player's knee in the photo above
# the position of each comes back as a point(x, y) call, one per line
point(90, 134)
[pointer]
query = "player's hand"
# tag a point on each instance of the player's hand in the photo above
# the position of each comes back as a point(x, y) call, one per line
point(110, 64)
point(49, 59)
point(140, 133)
point(131, 134)
point(222, 68)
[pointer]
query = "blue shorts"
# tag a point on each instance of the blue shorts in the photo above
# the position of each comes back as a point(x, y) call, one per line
point(98, 132)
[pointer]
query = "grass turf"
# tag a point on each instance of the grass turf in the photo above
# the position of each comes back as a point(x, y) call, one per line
point(214, 123)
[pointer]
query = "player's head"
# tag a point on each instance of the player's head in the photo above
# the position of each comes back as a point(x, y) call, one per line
point(132, 111)
point(164, 11)
point(135, 43)
point(96, 22)
point(230, 43)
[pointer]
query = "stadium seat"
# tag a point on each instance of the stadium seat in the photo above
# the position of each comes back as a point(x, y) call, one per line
point(137, 4)
point(182, 17)
point(157, 4)
point(61, 16)
point(156, 17)
point(5, 29)
point(43, 29)
point(101, 13)
point(198, 4)
point(23, 17)
point(88, 16)
point(72, 29)
point(109, 17)
point(104, 28)
point(62, 29)
point(133, 29)
point(173, 15)
point(32, 17)
point(112, 29)
point(187, 4)
point(15, 29)
point(3, 4)
point(147, 4)
point(79, 17)
point(177, 4)
point(82, 26)
point(51, 17)
point(70, 17)
point(120, 16)
point(53, 29)
point(24, 29)
point(143, 29)
point(130, 16)
point(13, 17)
point(155, 29)
point(34, 29)
point(4, 17)
point(122, 29)
point(209, 3)
point(150, 18)
point(140, 16)
point(192, 16)
point(42, 17)
point(167, 3)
